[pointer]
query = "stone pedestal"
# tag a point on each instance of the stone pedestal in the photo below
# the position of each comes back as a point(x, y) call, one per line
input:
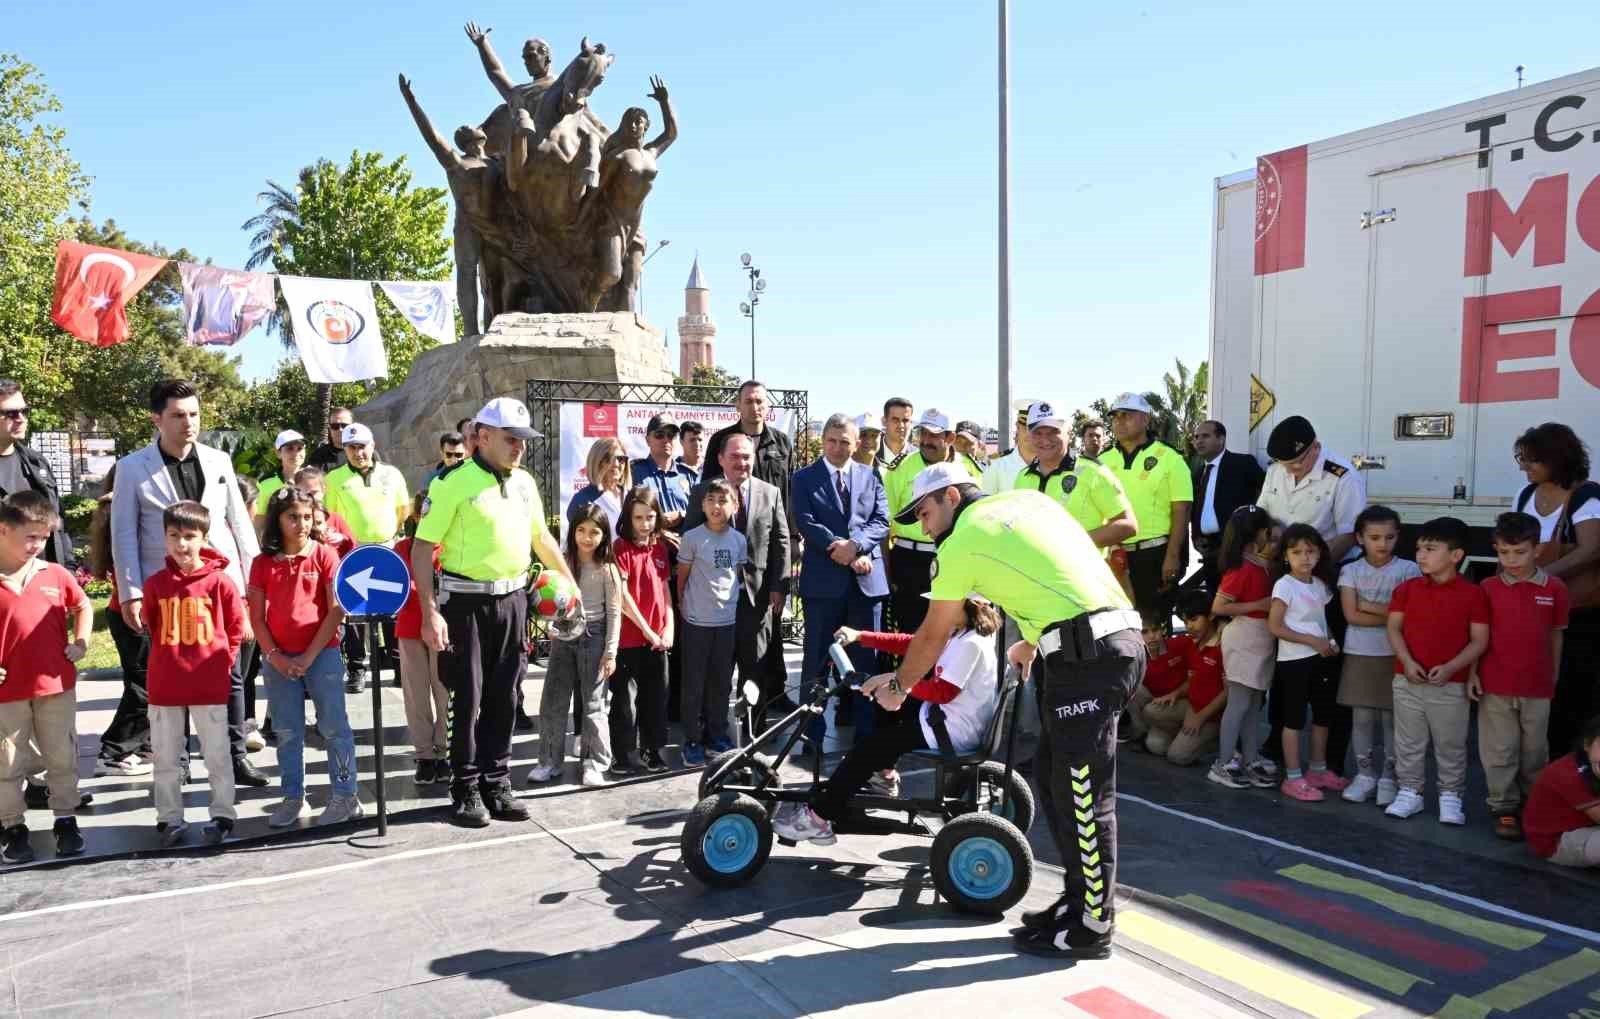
point(457, 379)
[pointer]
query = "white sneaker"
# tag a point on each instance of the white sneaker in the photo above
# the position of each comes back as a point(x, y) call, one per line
point(1450, 811)
point(1360, 789)
point(1388, 789)
point(133, 764)
point(1407, 803)
point(287, 813)
point(341, 809)
point(799, 823)
point(592, 775)
point(253, 742)
point(543, 773)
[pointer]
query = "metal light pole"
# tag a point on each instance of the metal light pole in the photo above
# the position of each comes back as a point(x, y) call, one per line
point(1003, 412)
point(748, 307)
point(659, 246)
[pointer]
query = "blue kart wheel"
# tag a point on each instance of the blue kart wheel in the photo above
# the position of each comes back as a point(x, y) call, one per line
point(981, 863)
point(727, 839)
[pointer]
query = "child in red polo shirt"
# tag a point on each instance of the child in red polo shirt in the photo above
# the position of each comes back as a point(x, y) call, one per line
point(38, 697)
point(1516, 679)
point(1438, 627)
point(1562, 816)
point(426, 700)
point(1159, 699)
point(195, 619)
point(1204, 697)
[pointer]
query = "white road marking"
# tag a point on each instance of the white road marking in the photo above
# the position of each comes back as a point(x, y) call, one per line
point(336, 868)
point(1488, 907)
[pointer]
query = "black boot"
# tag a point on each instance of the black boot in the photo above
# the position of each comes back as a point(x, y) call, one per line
point(1066, 941)
point(245, 773)
point(1049, 917)
point(468, 810)
point(69, 842)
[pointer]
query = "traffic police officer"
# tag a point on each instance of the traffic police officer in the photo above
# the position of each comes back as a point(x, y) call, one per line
point(374, 500)
point(1022, 552)
point(485, 517)
point(1160, 489)
point(911, 553)
point(1308, 485)
point(1088, 491)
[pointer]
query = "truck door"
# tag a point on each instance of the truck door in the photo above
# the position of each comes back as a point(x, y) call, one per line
point(1419, 434)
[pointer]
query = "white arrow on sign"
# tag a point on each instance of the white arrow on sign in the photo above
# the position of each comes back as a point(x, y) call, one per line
point(364, 585)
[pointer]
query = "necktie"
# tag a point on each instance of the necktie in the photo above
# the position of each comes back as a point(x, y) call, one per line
point(844, 493)
point(1205, 480)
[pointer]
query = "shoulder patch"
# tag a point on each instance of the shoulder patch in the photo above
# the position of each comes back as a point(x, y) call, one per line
point(933, 569)
point(1068, 483)
point(1150, 463)
point(1335, 469)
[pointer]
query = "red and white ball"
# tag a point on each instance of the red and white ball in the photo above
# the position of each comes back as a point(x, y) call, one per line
point(552, 595)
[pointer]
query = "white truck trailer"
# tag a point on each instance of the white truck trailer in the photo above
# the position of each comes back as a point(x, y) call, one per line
point(1423, 291)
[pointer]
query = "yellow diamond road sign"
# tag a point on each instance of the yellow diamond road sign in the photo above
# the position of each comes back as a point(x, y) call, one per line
point(1261, 402)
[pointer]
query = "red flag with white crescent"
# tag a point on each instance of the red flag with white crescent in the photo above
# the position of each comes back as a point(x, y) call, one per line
point(93, 288)
point(1281, 211)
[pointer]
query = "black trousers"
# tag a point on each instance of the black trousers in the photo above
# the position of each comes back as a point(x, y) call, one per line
point(481, 669)
point(354, 644)
point(1577, 697)
point(129, 731)
point(910, 577)
point(640, 680)
point(1343, 719)
point(1150, 597)
point(1076, 766)
point(758, 647)
point(896, 733)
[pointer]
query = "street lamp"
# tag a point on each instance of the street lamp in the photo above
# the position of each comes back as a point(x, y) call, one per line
point(748, 306)
point(659, 246)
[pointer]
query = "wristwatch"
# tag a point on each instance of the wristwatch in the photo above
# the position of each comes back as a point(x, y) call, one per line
point(894, 684)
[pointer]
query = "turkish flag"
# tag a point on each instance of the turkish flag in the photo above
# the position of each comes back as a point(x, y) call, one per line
point(93, 288)
point(1281, 211)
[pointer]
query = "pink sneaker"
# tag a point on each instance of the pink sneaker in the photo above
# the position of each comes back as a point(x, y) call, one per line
point(1327, 780)
point(1300, 789)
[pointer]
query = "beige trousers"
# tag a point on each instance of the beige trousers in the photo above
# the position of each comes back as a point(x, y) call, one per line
point(169, 737)
point(1163, 722)
point(1513, 747)
point(1580, 848)
point(1424, 714)
point(51, 723)
point(1185, 750)
point(427, 702)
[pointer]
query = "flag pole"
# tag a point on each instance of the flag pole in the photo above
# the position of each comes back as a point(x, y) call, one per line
point(1003, 405)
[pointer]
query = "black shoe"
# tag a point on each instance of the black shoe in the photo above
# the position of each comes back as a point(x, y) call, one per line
point(245, 773)
point(653, 762)
point(355, 682)
point(626, 766)
point(427, 773)
point(37, 797)
point(68, 840)
point(1073, 942)
point(443, 773)
point(1046, 918)
point(469, 811)
point(215, 833)
point(503, 804)
point(526, 722)
point(14, 845)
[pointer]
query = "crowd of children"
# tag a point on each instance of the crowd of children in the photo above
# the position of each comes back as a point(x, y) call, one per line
point(1422, 644)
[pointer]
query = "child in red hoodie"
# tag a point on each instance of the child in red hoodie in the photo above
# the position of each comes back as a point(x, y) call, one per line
point(195, 618)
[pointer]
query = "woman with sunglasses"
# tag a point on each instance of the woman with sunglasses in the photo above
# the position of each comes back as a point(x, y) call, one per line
point(607, 470)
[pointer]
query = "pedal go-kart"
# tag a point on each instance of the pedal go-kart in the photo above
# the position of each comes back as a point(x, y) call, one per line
point(981, 809)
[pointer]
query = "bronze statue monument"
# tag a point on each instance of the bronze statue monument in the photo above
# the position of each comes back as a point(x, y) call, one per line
point(548, 201)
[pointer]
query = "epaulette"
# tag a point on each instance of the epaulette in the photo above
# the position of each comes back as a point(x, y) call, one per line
point(1335, 469)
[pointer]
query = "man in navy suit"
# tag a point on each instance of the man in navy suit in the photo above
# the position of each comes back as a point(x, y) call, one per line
point(842, 514)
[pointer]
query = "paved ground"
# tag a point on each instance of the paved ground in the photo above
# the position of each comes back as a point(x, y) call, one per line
point(1237, 903)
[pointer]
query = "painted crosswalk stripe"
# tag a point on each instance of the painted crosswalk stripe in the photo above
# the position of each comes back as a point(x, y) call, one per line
point(1237, 968)
point(1106, 1003)
point(1526, 989)
point(1489, 931)
point(1352, 964)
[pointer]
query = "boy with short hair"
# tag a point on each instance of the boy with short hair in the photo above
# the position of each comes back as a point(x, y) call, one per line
point(1159, 699)
point(195, 619)
point(38, 680)
point(711, 560)
point(1516, 679)
point(1438, 627)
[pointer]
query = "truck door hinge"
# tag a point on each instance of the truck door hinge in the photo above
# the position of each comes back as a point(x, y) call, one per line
point(1371, 219)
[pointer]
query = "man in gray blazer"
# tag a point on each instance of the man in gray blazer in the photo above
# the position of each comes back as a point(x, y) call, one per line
point(171, 469)
point(764, 522)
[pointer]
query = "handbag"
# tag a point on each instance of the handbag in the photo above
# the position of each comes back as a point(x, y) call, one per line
point(1583, 584)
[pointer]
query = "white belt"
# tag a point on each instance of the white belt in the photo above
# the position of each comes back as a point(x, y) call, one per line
point(1101, 625)
point(458, 585)
point(916, 546)
point(1140, 546)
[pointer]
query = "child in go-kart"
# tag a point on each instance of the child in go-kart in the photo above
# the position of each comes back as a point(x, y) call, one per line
point(963, 683)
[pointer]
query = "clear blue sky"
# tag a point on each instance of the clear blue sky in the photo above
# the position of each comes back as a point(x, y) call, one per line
point(850, 148)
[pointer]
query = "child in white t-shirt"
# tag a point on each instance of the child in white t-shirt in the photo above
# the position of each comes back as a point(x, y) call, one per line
point(1304, 676)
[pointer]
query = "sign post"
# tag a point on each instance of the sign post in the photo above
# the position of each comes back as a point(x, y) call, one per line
point(372, 584)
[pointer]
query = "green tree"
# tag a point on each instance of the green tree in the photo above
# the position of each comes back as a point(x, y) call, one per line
point(705, 375)
point(360, 221)
point(1178, 408)
point(39, 184)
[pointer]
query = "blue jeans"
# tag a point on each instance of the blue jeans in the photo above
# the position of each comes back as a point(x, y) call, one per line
point(324, 681)
point(823, 617)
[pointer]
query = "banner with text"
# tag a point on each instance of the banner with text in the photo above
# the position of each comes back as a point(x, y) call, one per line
point(583, 423)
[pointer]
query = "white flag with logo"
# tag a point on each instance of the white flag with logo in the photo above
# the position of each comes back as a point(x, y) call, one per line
point(429, 307)
point(335, 327)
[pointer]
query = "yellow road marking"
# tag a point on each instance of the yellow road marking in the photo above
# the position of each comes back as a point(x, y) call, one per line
point(1490, 931)
point(1526, 989)
point(1268, 981)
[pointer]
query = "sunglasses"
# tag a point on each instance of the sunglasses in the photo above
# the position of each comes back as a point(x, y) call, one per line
point(620, 458)
point(663, 435)
point(15, 413)
point(455, 456)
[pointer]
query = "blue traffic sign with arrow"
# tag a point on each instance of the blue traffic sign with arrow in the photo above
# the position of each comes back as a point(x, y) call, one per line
point(372, 581)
